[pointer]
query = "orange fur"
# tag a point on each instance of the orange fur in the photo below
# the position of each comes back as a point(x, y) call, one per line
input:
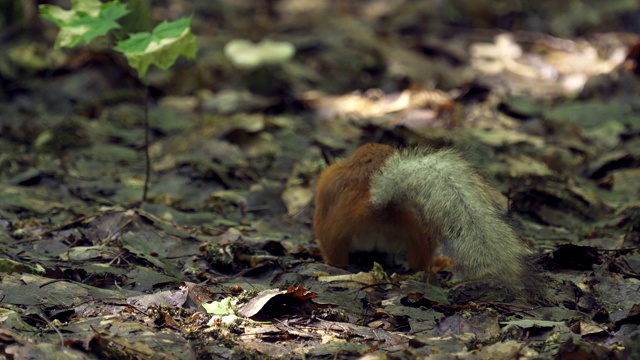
point(345, 220)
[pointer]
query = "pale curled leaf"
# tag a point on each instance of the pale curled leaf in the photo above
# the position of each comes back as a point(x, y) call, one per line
point(246, 55)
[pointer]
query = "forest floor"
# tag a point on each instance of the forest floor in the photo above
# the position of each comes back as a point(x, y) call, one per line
point(220, 261)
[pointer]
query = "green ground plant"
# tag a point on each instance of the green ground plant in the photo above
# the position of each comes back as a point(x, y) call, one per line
point(89, 19)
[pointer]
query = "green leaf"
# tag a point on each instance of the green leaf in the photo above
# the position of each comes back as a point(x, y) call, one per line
point(222, 307)
point(162, 47)
point(135, 44)
point(86, 20)
point(172, 29)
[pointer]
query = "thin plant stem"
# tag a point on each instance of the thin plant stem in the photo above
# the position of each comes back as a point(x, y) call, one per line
point(147, 157)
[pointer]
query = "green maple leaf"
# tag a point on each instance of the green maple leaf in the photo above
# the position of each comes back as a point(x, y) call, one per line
point(86, 20)
point(162, 47)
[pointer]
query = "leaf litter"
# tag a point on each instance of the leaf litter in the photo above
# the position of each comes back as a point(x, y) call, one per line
point(551, 120)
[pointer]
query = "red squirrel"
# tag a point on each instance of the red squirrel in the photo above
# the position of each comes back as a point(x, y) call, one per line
point(389, 200)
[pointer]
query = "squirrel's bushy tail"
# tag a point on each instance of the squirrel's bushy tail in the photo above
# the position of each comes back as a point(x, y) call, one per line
point(455, 205)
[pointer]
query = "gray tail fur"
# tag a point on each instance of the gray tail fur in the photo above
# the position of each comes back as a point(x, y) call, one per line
point(455, 205)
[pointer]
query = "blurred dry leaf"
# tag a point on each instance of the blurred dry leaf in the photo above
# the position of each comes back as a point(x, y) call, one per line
point(375, 103)
point(524, 166)
point(506, 137)
point(553, 67)
point(172, 298)
point(297, 198)
point(351, 280)
point(246, 55)
point(183, 103)
point(229, 102)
